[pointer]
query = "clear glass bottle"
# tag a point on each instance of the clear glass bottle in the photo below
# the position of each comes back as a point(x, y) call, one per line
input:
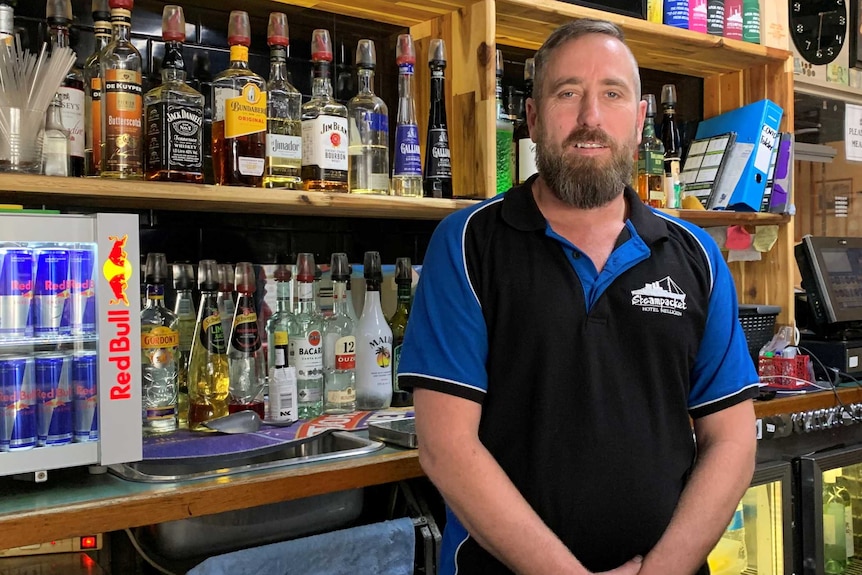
point(525, 148)
point(55, 141)
point(398, 324)
point(324, 125)
point(239, 113)
point(339, 344)
point(278, 323)
point(368, 151)
point(71, 92)
point(305, 341)
point(373, 343)
point(93, 89)
point(651, 160)
point(672, 147)
point(7, 25)
point(120, 69)
point(407, 169)
point(209, 373)
point(245, 352)
point(184, 308)
point(159, 350)
point(226, 304)
point(437, 181)
point(174, 113)
point(504, 157)
point(283, 103)
point(283, 407)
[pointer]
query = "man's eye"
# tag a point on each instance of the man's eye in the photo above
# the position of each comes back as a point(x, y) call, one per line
point(567, 94)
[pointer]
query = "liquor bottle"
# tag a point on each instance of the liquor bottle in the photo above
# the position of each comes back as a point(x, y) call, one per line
point(184, 308)
point(174, 113)
point(672, 147)
point(209, 373)
point(283, 103)
point(226, 304)
point(324, 127)
point(55, 141)
point(525, 148)
point(398, 324)
point(715, 17)
point(283, 406)
point(93, 90)
point(122, 99)
point(239, 113)
point(7, 25)
point(651, 160)
point(71, 91)
point(339, 344)
point(277, 324)
point(159, 348)
point(305, 340)
point(437, 178)
point(245, 353)
point(407, 172)
point(504, 157)
point(373, 343)
point(368, 151)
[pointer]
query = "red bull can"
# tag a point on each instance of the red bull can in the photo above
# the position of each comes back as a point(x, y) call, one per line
point(50, 292)
point(16, 292)
point(17, 403)
point(53, 399)
point(85, 397)
point(82, 291)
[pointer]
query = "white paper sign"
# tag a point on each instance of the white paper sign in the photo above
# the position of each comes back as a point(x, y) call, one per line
point(853, 132)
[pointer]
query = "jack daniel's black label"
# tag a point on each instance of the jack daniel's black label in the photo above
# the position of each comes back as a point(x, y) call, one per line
point(174, 138)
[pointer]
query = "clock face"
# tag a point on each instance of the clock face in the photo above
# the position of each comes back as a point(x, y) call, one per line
point(818, 28)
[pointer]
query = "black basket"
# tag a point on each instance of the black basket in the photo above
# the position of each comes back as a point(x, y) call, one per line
point(758, 325)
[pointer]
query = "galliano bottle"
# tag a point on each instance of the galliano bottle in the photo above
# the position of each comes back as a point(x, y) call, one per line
point(93, 89)
point(71, 92)
point(305, 340)
point(373, 343)
point(245, 353)
point(437, 182)
point(407, 172)
point(368, 151)
point(339, 344)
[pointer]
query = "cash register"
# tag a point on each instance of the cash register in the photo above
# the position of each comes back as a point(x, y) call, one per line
point(829, 311)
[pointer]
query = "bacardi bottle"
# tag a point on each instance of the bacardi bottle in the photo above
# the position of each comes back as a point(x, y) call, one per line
point(407, 172)
point(71, 91)
point(373, 343)
point(93, 89)
point(305, 340)
point(368, 151)
point(438, 162)
point(339, 344)
point(245, 353)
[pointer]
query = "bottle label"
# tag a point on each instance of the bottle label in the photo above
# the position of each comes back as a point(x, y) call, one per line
point(380, 372)
point(72, 101)
point(306, 355)
point(245, 114)
point(212, 332)
point(341, 396)
point(324, 144)
point(345, 352)
point(286, 147)
point(437, 73)
point(221, 96)
point(439, 160)
point(526, 159)
point(283, 395)
point(187, 333)
point(407, 156)
point(123, 126)
point(396, 359)
point(651, 163)
point(250, 166)
point(174, 138)
point(244, 336)
point(96, 119)
point(280, 338)
point(369, 129)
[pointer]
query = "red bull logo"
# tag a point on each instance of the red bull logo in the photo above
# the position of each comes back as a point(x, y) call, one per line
point(118, 270)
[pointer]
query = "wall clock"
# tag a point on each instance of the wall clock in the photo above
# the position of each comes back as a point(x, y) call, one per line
point(818, 28)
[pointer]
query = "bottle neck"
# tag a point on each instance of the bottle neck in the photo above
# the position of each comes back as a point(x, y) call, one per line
point(155, 295)
point(173, 67)
point(305, 298)
point(54, 121)
point(321, 86)
point(366, 81)
point(282, 294)
point(59, 36)
point(498, 96)
point(406, 112)
point(239, 56)
point(438, 82)
point(339, 298)
point(649, 127)
point(277, 63)
point(405, 296)
point(121, 24)
point(102, 32)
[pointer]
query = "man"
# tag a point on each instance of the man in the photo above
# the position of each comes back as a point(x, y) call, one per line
point(563, 335)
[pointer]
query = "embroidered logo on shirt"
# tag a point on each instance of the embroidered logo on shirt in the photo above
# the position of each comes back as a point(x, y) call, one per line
point(662, 296)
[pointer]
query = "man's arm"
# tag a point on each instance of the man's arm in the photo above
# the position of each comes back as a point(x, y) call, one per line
point(479, 492)
point(726, 445)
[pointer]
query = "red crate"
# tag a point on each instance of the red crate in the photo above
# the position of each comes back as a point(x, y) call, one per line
point(784, 372)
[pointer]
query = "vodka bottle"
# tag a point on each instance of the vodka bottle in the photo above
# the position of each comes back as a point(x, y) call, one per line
point(339, 344)
point(407, 173)
point(159, 349)
point(373, 344)
point(305, 340)
point(93, 89)
point(184, 308)
point(245, 353)
point(438, 162)
point(525, 148)
point(283, 128)
point(504, 157)
point(398, 323)
point(224, 298)
point(55, 142)
point(368, 151)
point(278, 323)
point(209, 374)
point(71, 92)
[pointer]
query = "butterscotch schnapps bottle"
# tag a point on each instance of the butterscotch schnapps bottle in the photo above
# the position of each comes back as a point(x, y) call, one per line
point(339, 344)
point(407, 171)
point(368, 160)
point(373, 343)
point(305, 341)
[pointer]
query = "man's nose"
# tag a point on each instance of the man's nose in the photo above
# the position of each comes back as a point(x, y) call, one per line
point(589, 113)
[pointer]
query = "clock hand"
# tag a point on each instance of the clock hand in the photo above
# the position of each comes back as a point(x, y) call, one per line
point(820, 29)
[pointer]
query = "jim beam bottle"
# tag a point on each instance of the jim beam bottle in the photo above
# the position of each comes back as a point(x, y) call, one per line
point(93, 92)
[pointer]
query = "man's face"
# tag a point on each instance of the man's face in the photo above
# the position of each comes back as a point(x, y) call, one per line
point(588, 124)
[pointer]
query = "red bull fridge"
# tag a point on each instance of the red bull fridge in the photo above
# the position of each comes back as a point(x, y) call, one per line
point(70, 378)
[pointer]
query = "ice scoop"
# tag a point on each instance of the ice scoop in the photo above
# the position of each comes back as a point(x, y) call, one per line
point(245, 421)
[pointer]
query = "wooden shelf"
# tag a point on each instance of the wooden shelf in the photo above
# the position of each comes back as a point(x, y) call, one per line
point(807, 402)
point(707, 218)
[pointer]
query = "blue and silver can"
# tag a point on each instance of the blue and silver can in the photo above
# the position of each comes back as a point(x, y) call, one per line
point(50, 292)
point(54, 398)
point(16, 292)
point(17, 403)
point(85, 396)
point(82, 292)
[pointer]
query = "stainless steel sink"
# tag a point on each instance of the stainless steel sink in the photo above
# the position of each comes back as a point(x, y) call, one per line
point(324, 447)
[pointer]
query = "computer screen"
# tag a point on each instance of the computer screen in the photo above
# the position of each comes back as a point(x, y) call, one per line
point(831, 271)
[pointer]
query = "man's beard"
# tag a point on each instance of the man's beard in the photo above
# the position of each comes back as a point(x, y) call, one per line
point(584, 182)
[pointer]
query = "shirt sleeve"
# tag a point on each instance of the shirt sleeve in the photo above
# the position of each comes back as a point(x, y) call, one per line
point(723, 373)
point(446, 343)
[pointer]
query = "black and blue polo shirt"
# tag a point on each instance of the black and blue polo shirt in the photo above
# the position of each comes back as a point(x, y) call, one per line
point(587, 378)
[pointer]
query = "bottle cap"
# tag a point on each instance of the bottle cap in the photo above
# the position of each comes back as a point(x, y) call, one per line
point(405, 53)
point(403, 271)
point(372, 271)
point(244, 278)
point(529, 69)
point(668, 95)
point(305, 268)
point(59, 11)
point(238, 29)
point(184, 276)
point(156, 269)
point(366, 55)
point(122, 4)
point(437, 51)
point(276, 30)
point(208, 275)
point(173, 24)
point(100, 10)
point(650, 104)
point(338, 269)
point(282, 273)
point(321, 46)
